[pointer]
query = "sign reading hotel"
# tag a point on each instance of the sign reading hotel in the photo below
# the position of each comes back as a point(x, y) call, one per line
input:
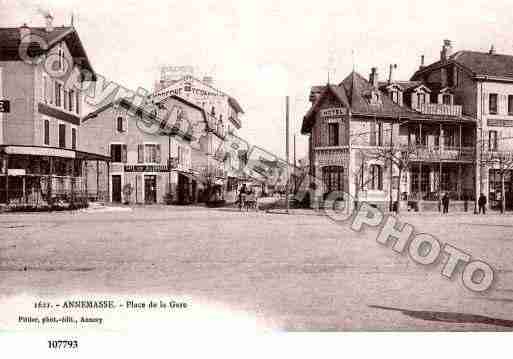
point(332, 113)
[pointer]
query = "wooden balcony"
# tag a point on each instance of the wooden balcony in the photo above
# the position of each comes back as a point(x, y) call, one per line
point(446, 153)
point(439, 109)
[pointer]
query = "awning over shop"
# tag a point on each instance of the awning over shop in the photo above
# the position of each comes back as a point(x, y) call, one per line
point(50, 152)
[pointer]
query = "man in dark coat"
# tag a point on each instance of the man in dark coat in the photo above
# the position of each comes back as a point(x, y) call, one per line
point(482, 203)
point(445, 203)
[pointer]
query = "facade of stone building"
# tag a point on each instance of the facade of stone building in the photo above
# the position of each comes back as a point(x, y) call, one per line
point(482, 83)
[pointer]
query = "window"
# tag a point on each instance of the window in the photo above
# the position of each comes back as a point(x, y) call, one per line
point(62, 135)
point(421, 98)
point(58, 92)
point(446, 99)
point(379, 136)
point(181, 155)
point(74, 138)
point(120, 124)
point(61, 57)
point(46, 132)
point(213, 111)
point(492, 140)
point(376, 180)
point(152, 153)
point(71, 98)
point(510, 104)
point(187, 87)
point(395, 96)
point(333, 134)
point(492, 105)
point(333, 178)
point(77, 103)
point(118, 153)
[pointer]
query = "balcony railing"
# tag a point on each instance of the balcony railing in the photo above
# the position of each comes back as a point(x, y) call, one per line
point(439, 109)
point(433, 153)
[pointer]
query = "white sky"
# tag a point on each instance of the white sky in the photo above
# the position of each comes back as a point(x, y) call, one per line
point(263, 50)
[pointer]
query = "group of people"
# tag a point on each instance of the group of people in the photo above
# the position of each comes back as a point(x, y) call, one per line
point(481, 203)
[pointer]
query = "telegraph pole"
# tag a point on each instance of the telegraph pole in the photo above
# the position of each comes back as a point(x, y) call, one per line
point(294, 163)
point(287, 152)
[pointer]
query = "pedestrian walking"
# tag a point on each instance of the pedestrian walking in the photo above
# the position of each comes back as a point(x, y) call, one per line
point(242, 196)
point(445, 203)
point(482, 203)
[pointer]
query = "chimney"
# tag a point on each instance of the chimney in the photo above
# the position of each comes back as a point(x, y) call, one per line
point(421, 62)
point(48, 21)
point(24, 31)
point(373, 77)
point(208, 80)
point(391, 73)
point(446, 50)
point(492, 50)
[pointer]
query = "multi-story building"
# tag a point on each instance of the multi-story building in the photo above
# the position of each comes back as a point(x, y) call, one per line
point(223, 116)
point(482, 84)
point(40, 72)
point(362, 132)
point(150, 149)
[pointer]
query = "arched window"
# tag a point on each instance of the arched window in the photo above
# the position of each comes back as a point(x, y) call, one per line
point(333, 178)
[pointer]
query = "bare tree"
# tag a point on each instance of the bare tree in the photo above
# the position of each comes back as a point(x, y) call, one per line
point(397, 155)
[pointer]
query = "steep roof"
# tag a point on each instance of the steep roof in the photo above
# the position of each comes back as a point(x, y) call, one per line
point(10, 43)
point(359, 89)
point(478, 63)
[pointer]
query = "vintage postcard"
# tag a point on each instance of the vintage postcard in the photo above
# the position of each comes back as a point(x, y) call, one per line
point(174, 171)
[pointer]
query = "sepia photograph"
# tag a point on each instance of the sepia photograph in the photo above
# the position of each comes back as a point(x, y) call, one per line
point(272, 173)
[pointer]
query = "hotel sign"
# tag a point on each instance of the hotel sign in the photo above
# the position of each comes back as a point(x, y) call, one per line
point(5, 106)
point(332, 113)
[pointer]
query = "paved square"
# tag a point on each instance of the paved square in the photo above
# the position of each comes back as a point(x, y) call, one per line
point(292, 272)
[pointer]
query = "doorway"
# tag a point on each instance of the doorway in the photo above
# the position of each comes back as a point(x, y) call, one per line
point(150, 189)
point(116, 188)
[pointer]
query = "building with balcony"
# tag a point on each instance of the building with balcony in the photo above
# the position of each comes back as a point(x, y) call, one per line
point(482, 84)
point(42, 157)
point(357, 126)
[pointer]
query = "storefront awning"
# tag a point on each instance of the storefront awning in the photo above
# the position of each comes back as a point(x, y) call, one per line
point(51, 152)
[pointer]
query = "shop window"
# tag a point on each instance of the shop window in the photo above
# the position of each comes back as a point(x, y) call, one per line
point(152, 153)
point(120, 124)
point(376, 180)
point(74, 138)
point(492, 104)
point(492, 141)
point(62, 135)
point(118, 153)
point(333, 135)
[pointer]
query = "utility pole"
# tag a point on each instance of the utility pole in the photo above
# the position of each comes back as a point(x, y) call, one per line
point(287, 152)
point(294, 163)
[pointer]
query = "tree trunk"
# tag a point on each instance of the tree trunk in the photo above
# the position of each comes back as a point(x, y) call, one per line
point(398, 196)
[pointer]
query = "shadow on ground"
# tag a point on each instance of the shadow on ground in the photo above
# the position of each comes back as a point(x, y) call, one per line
point(450, 317)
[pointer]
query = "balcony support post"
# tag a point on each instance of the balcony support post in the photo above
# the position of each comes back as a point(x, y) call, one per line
point(420, 181)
